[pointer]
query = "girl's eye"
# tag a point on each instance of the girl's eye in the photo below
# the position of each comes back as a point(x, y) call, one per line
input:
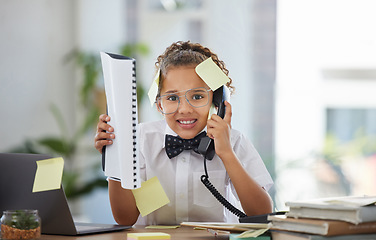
point(197, 96)
point(172, 98)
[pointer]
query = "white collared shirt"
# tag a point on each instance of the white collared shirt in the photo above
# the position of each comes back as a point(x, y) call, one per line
point(180, 177)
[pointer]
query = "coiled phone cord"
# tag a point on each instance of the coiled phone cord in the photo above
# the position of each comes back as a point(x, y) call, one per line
point(218, 196)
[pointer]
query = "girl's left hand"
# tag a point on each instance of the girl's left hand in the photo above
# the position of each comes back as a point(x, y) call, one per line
point(219, 130)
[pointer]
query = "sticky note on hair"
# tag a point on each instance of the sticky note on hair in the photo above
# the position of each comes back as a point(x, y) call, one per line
point(148, 236)
point(153, 90)
point(150, 196)
point(212, 75)
point(48, 175)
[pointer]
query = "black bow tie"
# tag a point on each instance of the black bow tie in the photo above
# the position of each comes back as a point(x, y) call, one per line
point(175, 145)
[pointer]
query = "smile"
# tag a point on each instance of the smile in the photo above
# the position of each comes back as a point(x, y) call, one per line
point(187, 122)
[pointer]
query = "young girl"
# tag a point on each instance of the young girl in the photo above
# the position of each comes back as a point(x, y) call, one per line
point(236, 170)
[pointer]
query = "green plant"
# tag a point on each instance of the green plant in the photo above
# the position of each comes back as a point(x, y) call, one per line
point(23, 220)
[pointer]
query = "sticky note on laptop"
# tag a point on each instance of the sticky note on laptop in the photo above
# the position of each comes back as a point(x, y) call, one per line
point(148, 236)
point(48, 175)
point(150, 196)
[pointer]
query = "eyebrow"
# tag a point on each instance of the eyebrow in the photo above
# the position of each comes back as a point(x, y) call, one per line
point(198, 89)
point(171, 91)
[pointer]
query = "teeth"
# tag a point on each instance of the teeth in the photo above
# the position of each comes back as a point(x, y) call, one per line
point(187, 122)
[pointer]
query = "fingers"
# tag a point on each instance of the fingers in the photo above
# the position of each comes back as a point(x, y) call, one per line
point(104, 134)
point(101, 143)
point(104, 118)
point(227, 118)
point(217, 126)
point(102, 124)
point(228, 113)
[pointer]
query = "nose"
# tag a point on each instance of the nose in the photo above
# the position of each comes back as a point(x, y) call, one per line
point(184, 106)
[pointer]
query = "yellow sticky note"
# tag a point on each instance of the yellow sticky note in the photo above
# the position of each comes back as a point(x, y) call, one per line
point(148, 235)
point(48, 175)
point(153, 91)
point(150, 196)
point(211, 74)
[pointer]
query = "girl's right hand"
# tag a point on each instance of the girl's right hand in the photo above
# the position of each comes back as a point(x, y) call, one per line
point(104, 133)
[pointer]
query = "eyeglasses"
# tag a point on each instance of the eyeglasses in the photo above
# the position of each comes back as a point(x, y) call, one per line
point(196, 97)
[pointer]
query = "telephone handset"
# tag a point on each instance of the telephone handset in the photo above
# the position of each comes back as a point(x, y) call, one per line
point(206, 146)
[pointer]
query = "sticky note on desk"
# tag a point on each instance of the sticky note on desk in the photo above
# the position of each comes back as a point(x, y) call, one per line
point(48, 175)
point(150, 196)
point(148, 236)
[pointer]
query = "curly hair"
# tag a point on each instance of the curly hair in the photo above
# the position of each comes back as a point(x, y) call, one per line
point(187, 54)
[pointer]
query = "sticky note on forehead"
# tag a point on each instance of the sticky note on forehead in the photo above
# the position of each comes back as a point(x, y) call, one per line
point(212, 75)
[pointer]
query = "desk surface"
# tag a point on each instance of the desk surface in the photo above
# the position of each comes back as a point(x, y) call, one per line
point(180, 233)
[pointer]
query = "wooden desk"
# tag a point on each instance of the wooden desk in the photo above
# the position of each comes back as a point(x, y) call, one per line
point(181, 233)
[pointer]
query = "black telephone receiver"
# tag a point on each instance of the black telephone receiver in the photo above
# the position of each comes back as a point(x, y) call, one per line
point(206, 146)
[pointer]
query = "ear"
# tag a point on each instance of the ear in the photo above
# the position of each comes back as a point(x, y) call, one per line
point(159, 107)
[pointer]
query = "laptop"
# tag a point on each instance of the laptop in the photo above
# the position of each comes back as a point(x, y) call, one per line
point(17, 173)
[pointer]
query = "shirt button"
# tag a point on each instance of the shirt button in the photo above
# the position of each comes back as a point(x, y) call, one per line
point(181, 195)
point(183, 159)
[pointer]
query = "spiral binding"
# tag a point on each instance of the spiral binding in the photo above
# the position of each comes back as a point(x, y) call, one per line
point(134, 123)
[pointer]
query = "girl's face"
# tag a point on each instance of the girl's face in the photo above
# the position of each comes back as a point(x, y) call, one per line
point(187, 121)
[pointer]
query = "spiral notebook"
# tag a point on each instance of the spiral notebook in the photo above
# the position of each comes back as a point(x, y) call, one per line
point(120, 160)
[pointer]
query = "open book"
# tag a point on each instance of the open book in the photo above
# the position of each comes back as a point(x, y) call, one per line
point(120, 160)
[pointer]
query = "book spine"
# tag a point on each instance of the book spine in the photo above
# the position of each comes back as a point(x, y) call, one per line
point(342, 228)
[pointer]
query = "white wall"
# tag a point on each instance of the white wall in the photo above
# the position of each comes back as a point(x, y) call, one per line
point(35, 37)
point(314, 36)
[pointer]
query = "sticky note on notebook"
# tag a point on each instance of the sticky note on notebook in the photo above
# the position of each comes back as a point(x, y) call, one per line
point(212, 75)
point(148, 236)
point(48, 175)
point(150, 196)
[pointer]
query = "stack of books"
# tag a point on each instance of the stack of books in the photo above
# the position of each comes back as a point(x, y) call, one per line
point(327, 219)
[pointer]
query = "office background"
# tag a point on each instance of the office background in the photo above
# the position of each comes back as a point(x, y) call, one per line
point(304, 73)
